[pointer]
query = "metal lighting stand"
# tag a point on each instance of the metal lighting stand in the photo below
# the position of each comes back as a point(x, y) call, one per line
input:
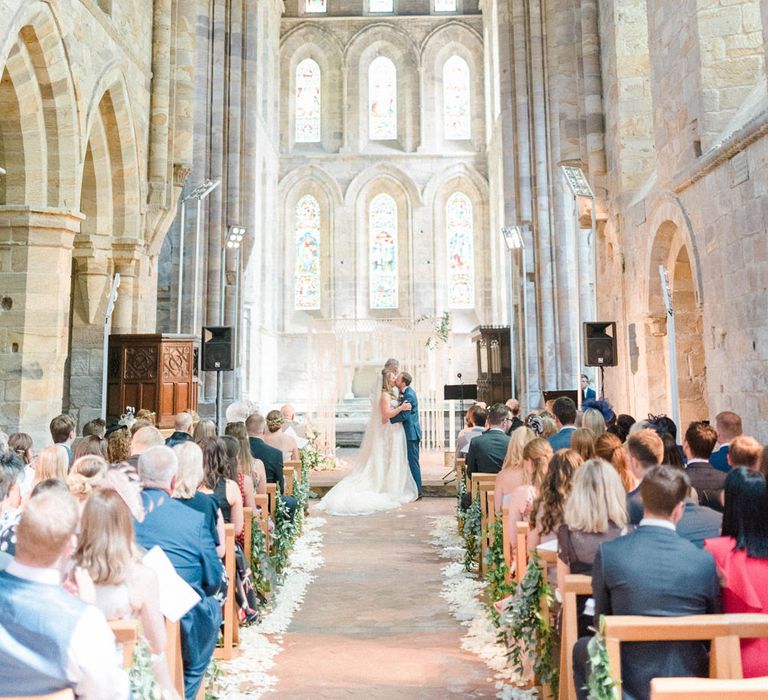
point(105, 341)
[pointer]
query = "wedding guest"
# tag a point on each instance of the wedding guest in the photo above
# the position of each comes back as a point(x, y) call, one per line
point(144, 439)
point(547, 511)
point(622, 426)
point(97, 427)
point(217, 482)
point(8, 535)
point(700, 439)
point(63, 433)
point(741, 555)
point(52, 463)
point(587, 392)
point(182, 534)
point(512, 474)
point(272, 459)
point(653, 571)
point(593, 420)
point(186, 490)
point(698, 523)
point(203, 430)
point(564, 411)
point(289, 421)
point(610, 448)
point(244, 487)
point(125, 588)
point(476, 418)
point(744, 451)
point(90, 445)
point(11, 478)
point(487, 451)
point(138, 424)
point(118, 444)
point(549, 425)
point(583, 442)
point(247, 466)
point(21, 444)
point(87, 472)
point(672, 456)
point(594, 423)
point(275, 437)
point(728, 426)
point(644, 450)
point(51, 640)
point(514, 408)
point(182, 429)
point(763, 465)
point(147, 415)
point(595, 512)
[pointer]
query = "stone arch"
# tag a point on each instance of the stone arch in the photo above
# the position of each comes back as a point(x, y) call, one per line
point(386, 171)
point(311, 41)
point(40, 152)
point(383, 39)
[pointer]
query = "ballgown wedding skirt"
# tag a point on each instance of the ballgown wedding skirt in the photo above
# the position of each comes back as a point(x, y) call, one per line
point(381, 480)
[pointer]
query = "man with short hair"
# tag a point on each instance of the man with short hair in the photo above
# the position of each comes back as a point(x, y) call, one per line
point(181, 533)
point(744, 451)
point(97, 427)
point(291, 425)
point(52, 640)
point(564, 411)
point(728, 426)
point(62, 429)
point(514, 408)
point(644, 450)
point(182, 429)
point(272, 458)
point(143, 439)
point(486, 452)
point(477, 416)
point(653, 571)
point(700, 440)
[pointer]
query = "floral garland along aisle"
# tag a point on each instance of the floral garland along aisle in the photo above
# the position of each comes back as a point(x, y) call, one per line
point(464, 592)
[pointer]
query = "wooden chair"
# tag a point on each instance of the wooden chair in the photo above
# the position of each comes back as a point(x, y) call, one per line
point(248, 534)
point(294, 464)
point(523, 529)
point(230, 623)
point(480, 484)
point(487, 497)
point(262, 517)
point(66, 694)
point(709, 689)
point(127, 634)
point(507, 543)
point(723, 631)
point(461, 469)
point(289, 476)
point(574, 585)
point(173, 655)
point(271, 499)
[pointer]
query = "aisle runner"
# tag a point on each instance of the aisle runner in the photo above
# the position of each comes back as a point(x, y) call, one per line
point(464, 591)
point(248, 675)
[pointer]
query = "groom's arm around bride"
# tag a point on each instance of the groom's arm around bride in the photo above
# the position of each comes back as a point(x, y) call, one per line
point(410, 421)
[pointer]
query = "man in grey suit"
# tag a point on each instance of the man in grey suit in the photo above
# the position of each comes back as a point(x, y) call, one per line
point(653, 571)
point(487, 451)
point(565, 417)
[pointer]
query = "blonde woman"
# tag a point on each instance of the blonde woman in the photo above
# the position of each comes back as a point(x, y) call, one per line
point(549, 427)
point(593, 419)
point(124, 587)
point(52, 463)
point(595, 512)
point(512, 474)
point(87, 472)
point(247, 466)
point(203, 430)
point(583, 441)
point(547, 512)
point(275, 437)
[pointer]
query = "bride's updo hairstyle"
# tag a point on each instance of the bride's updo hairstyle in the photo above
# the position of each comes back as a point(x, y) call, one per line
point(386, 375)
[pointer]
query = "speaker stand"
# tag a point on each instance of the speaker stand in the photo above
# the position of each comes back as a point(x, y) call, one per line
point(602, 382)
point(218, 402)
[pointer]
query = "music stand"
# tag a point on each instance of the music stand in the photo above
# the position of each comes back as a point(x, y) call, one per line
point(458, 392)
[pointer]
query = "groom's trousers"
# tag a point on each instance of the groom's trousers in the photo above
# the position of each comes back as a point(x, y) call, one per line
point(413, 461)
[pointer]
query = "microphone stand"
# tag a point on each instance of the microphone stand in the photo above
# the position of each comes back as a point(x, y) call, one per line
point(452, 470)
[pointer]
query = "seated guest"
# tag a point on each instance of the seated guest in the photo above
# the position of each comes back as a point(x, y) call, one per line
point(698, 523)
point(144, 439)
point(564, 411)
point(610, 448)
point(645, 450)
point(21, 444)
point(653, 571)
point(741, 556)
point(217, 482)
point(63, 433)
point(700, 439)
point(51, 639)
point(514, 409)
point(97, 427)
point(487, 451)
point(622, 426)
point(182, 429)
point(248, 469)
point(275, 437)
point(203, 430)
point(118, 444)
point(583, 442)
point(289, 421)
point(52, 463)
point(87, 473)
point(595, 512)
point(672, 455)
point(185, 538)
point(125, 588)
point(90, 445)
point(513, 473)
point(593, 421)
point(11, 478)
point(272, 459)
point(744, 451)
point(547, 512)
point(728, 427)
point(548, 425)
point(477, 416)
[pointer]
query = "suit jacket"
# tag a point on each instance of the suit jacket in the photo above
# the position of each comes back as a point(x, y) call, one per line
point(587, 394)
point(708, 483)
point(409, 419)
point(719, 459)
point(654, 571)
point(273, 461)
point(699, 523)
point(635, 506)
point(516, 423)
point(562, 440)
point(487, 451)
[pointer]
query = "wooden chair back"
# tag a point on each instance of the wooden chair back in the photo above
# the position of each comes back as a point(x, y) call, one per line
point(709, 689)
point(507, 536)
point(487, 497)
point(294, 464)
point(262, 516)
point(481, 478)
point(66, 694)
point(173, 655)
point(272, 497)
point(230, 622)
point(461, 469)
point(127, 634)
point(724, 632)
point(522, 530)
point(289, 476)
point(574, 585)
point(248, 533)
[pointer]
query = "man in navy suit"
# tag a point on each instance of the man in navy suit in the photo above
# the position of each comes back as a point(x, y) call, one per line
point(410, 421)
point(587, 393)
point(565, 417)
point(728, 426)
point(181, 533)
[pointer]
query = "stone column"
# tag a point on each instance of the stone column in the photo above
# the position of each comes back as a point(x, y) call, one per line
point(35, 278)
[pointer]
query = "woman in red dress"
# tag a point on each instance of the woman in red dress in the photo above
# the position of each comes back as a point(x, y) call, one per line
point(741, 555)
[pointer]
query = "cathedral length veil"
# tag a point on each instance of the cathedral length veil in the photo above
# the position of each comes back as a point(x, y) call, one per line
point(380, 479)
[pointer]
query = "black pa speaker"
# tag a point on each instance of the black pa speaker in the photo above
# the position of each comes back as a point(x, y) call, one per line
point(217, 349)
point(600, 344)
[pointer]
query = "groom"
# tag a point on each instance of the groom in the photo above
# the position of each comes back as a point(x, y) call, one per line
point(410, 421)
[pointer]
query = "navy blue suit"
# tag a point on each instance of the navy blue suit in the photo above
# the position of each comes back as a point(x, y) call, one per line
point(410, 421)
point(273, 466)
point(562, 439)
point(719, 459)
point(181, 533)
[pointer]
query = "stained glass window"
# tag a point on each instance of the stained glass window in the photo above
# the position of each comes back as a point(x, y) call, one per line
point(308, 102)
point(382, 225)
point(307, 292)
point(456, 109)
point(315, 6)
point(461, 265)
point(445, 5)
point(382, 100)
point(381, 6)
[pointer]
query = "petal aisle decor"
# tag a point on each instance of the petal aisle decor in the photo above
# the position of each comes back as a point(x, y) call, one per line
point(248, 676)
point(464, 593)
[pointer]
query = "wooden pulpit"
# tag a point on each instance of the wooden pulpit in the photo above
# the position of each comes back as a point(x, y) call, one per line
point(153, 371)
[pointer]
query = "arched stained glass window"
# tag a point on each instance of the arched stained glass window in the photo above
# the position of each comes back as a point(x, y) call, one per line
point(382, 228)
point(382, 100)
point(308, 79)
point(315, 6)
point(307, 291)
point(456, 104)
point(445, 5)
point(461, 263)
point(381, 6)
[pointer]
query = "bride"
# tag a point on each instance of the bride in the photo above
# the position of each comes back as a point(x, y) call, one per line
point(381, 480)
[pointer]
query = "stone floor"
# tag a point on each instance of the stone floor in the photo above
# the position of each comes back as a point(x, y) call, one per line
point(373, 624)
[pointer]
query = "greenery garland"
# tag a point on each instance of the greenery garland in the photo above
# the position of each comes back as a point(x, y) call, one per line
point(212, 680)
point(472, 524)
point(461, 491)
point(284, 535)
point(495, 575)
point(526, 633)
point(264, 576)
point(141, 674)
point(601, 685)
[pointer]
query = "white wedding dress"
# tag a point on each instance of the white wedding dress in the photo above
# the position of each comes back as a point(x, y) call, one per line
point(381, 480)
